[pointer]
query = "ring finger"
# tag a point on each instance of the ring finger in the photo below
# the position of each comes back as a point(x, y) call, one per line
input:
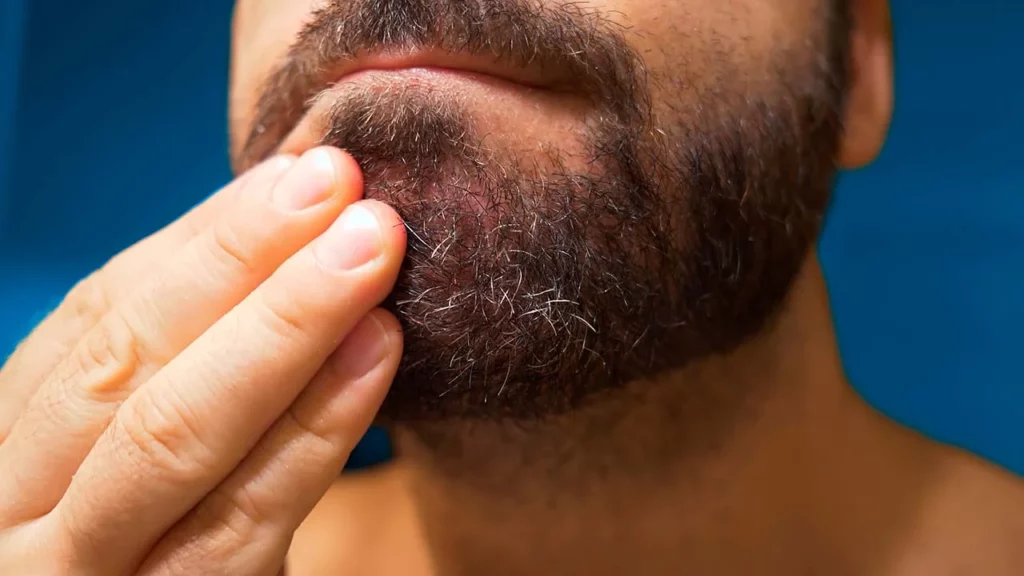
point(246, 523)
point(93, 297)
point(207, 278)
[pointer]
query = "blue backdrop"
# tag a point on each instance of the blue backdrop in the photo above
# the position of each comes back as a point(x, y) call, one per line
point(112, 122)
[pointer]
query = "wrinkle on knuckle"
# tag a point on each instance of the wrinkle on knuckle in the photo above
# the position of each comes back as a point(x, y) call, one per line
point(106, 360)
point(229, 250)
point(314, 430)
point(157, 338)
point(160, 434)
point(233, 519)
point(284, 318)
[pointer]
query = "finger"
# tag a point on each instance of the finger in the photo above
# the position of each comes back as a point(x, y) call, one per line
point(205, 279)
point(91, 298)
point(248, 520)
point(180, 434)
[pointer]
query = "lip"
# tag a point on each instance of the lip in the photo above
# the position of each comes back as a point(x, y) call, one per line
point(429, 67)
point(500, 66)
point(449, 63)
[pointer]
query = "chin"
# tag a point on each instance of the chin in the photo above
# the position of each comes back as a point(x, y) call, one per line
point(536, 279)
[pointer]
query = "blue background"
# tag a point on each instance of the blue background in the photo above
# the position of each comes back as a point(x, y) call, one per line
point(112, 122)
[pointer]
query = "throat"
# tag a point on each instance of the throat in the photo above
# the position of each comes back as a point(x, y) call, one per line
point(761, 462)
point(657, 478)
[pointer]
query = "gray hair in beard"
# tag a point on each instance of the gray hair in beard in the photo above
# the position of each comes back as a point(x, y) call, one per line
point(529, 287)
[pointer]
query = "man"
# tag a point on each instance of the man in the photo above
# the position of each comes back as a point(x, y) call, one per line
point(590, 226)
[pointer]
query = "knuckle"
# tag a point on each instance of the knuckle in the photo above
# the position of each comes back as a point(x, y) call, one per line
point(285, 317)
point(161, 435)
point(230, 251)
point(314, 430)
point(234, 519)
point(106, 359)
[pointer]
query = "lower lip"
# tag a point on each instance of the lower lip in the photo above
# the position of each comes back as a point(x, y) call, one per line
point(429, 76)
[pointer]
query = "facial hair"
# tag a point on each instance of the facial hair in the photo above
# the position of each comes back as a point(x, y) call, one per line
point(531, 284)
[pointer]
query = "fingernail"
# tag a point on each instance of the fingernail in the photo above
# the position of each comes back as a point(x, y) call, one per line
point(352, 241)
point(364, 348)
point(307, 183)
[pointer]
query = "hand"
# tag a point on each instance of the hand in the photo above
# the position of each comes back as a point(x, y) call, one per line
point(188, 404)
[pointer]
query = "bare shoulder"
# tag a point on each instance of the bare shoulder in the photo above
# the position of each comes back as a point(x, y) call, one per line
point(972, 522)
point(365, 524)
point(995, 495)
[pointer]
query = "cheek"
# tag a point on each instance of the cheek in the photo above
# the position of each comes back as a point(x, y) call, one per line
point(693, 38)
point(707, 55)
point(263, 30)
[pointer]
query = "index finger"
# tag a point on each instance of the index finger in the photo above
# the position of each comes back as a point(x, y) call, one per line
point(185, 429)
point(93, 297)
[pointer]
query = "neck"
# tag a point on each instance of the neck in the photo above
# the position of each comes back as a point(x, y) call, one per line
point(762, 462)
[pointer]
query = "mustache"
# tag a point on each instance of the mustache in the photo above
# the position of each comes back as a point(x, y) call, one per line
point(579, 47)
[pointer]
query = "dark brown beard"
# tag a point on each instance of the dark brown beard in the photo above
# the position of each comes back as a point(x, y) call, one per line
point(567, 41)
point(529, 287)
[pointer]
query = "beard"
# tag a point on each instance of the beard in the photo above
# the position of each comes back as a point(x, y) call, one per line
point(538, 278)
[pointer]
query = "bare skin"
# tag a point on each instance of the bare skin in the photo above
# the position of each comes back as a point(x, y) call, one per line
point(187, 409)
point(820, 483)
point(813, 481)
point(184, 389)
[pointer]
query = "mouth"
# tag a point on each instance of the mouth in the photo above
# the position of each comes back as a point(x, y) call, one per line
point(535, 62)
point(489, 86)
point(440, 64)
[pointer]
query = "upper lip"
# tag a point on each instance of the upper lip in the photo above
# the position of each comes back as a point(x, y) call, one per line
point(528, 75)
point(273, 130)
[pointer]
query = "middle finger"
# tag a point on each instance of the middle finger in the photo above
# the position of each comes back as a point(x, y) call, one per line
point(203, 282)
point(177, 437)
